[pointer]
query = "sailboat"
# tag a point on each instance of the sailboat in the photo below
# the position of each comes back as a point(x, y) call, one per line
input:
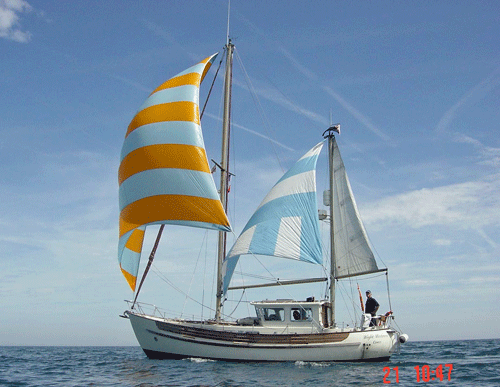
point(165, 179)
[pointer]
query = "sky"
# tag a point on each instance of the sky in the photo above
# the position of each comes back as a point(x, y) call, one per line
point(414, 85)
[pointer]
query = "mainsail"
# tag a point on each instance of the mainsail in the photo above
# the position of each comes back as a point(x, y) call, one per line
point(353, 254)
point(164, 174)
point(286, 223)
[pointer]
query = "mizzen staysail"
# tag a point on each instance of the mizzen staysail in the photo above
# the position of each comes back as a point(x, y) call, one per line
point(164, 174)
point(285, 224)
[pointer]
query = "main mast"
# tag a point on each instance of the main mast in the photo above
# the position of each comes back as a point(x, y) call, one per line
point(226, 121)
point(333, 269)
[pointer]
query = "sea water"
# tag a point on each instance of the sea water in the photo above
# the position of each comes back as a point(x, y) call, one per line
point(434, 363)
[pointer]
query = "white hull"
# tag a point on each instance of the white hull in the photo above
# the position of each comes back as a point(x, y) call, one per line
point(176, 339)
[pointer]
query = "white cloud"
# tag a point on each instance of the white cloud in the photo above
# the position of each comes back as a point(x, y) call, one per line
point(492, 156)
point(489, 155)
point(9, 20)
point(465, 205)
point(442, 242)
point(459, 137)
point(468, 205)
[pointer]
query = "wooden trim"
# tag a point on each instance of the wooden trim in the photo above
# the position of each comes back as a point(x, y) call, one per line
point(252, 337)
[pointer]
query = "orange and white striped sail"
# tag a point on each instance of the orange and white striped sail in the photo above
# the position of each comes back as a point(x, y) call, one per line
point(164, 174)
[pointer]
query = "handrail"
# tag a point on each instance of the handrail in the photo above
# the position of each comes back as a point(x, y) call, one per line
point(154, 311)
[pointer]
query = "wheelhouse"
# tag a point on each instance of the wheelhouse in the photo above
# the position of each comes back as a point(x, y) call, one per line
point(290, 312)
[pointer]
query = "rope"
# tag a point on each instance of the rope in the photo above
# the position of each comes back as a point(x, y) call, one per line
point(237, 304)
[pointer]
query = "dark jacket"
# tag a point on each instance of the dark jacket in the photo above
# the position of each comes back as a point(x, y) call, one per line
point(371, 305)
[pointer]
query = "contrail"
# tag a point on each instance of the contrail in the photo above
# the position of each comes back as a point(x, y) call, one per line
point(252, 132)
point(346, 105)
point(485, 86)
point(356, 114)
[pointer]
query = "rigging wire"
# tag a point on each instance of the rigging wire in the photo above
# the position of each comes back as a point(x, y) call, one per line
point(283, 287)
point(259, 107)
point(211, 87)
point(374, 249)
point(194, 271)
point(352, 295)
point(204, 277)
point(344, 295)
point(164, 278)
point(254, 275)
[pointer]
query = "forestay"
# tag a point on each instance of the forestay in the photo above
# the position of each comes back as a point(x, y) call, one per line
point(353, 254)
point(286, 223)
point(164, 174)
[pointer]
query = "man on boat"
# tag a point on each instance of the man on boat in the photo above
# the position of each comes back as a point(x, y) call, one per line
point(371, 306)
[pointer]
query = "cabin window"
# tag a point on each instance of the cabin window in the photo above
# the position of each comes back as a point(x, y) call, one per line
point(301, 314)
point(274, 314)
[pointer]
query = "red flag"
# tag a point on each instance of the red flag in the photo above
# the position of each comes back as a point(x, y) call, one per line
point(361, 299)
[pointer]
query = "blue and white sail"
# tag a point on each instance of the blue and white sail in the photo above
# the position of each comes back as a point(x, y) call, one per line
point(286, 223)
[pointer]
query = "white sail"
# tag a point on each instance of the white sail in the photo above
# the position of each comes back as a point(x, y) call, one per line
point(353, 254)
